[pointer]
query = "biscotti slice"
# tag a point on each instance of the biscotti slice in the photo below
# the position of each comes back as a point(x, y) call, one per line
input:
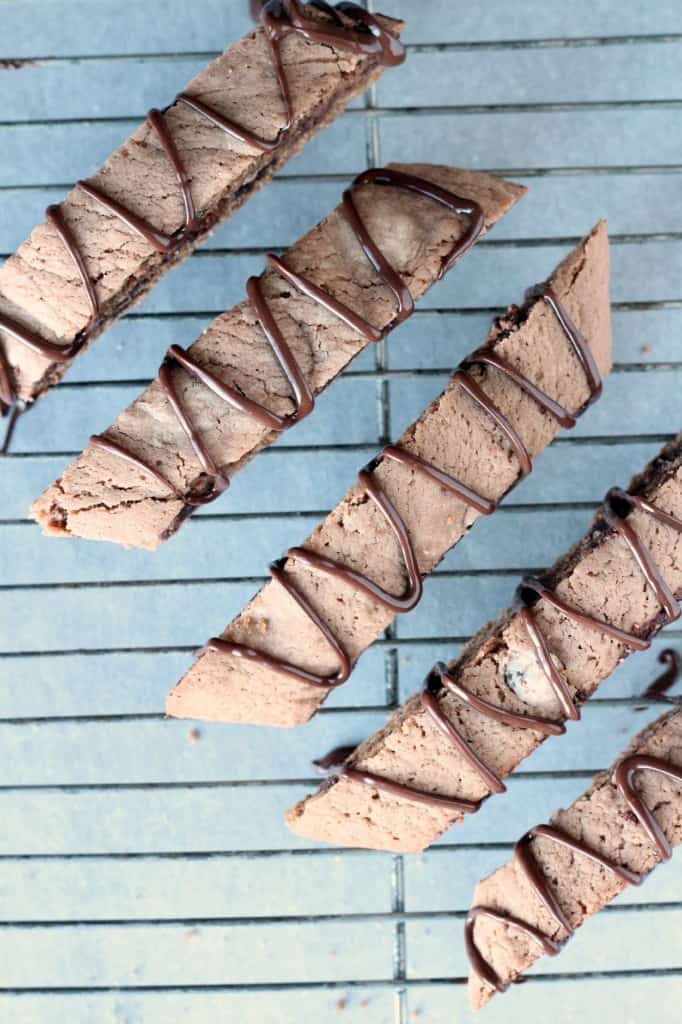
point(447, 749)
point(328, 601)
point(255, 371)
point(626, 824)
point(185, 170)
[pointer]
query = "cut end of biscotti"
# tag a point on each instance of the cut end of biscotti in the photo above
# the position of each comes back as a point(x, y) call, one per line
point(206, 695)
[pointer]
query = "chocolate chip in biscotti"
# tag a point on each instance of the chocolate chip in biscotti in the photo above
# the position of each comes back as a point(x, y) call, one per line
point(603, 600)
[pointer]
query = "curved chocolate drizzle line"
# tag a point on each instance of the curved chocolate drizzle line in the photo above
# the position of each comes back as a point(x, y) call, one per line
point(159, 240)
point(411, 596)
point(557, 411)
point(478, 962)
point(617, 506)
point(354, 579)
point(398, 789)
point(577, 339)
point(476, 392)
point(10, 403)
point(238, 650)
point(279, 18)
point(304, 398)
point(529, 592)
point(106, 444)
point(623, 778)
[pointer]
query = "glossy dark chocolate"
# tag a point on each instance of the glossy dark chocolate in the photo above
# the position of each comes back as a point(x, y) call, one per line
point(624, 775)
point(304, 400)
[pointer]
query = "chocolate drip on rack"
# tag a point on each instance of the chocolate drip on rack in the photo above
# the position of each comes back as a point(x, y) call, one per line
point(624, 782)
point(349, 28)
point(332, 761)
point(660, 686)
point(529, 593)
point(304, 399)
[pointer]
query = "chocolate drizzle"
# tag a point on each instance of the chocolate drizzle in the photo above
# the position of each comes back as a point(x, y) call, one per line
point(578, 341)
point(349, 28)
point(10, 403)
point(360, 34)
point(616, 507)
point(159, 240)
point(420, 796)
point(304, 399)
point(566, 419)
point(412, 593)
point(624, 781)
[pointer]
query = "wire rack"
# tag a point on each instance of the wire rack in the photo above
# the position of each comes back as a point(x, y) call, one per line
point(145, 872)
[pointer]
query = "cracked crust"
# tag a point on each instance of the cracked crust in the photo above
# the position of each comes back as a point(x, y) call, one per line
point(38, 284)
point(102, 497)
point(453, 434)
point(601, 819)
point(598, 576)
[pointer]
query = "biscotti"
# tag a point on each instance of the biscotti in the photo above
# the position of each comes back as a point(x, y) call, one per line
point(329, 600)
point(256, 370)
point(515, 684)
point(613, 836)
point(185, 170)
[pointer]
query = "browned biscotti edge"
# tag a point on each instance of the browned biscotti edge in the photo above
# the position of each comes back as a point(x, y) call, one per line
point(618, 838)
point(665, 467)
point(152, 267)
point(52, 510)
point(290, 703)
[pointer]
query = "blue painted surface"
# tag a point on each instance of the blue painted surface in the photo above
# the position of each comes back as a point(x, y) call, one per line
point(145, 866)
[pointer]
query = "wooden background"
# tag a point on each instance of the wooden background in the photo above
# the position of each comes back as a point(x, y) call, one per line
point(145, 874)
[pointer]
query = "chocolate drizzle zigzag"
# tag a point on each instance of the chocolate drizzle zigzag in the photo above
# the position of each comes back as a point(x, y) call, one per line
point(352, 29)
point(413, 591)
point(304, 399)
point(624, 781)
point(617, 506)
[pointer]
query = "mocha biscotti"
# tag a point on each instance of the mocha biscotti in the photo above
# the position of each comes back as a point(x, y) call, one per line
point(329, 600)
point(448, 748)
point(256, 370)
point(626, 824)
point(185, 170)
